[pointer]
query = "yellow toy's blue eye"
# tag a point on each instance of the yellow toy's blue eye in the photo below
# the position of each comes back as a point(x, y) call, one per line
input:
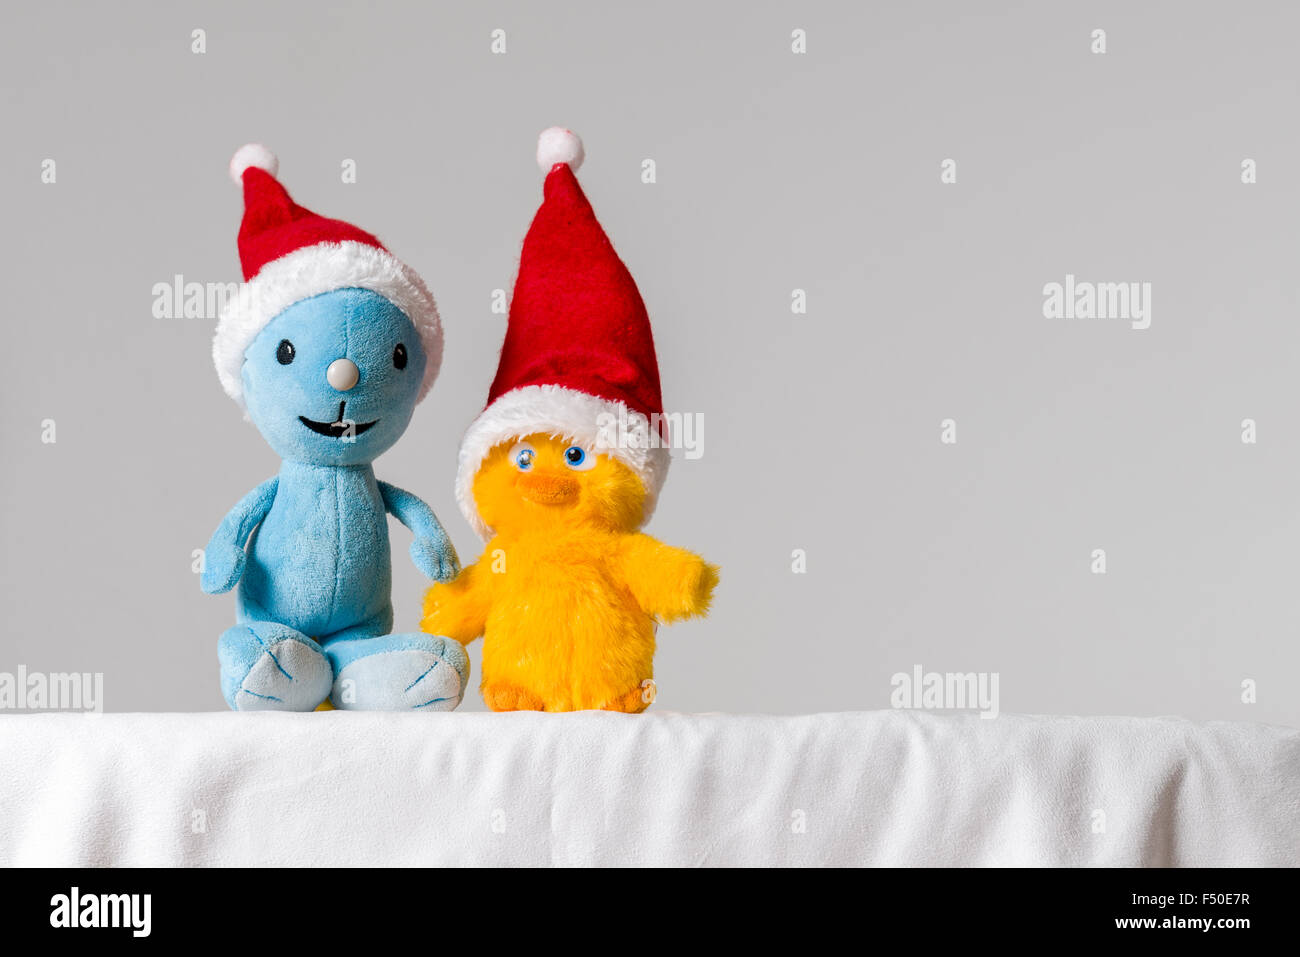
point(522, 456)
point(579, 459)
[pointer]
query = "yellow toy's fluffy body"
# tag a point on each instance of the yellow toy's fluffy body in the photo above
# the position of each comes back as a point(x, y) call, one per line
point(567, 593)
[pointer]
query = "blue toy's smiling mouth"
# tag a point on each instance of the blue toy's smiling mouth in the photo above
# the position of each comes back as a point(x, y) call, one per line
point(339, 428)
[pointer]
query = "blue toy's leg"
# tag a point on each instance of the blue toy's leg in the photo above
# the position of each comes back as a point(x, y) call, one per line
point(396, 672)
point(270, 667)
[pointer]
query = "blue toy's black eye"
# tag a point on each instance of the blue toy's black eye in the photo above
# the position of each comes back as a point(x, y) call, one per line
point(284, 352)
point(399, 356)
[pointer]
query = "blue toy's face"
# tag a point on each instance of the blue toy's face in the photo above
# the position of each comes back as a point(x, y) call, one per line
point(333, 379)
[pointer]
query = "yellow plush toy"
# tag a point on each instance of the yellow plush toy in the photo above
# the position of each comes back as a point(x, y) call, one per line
point(558, 474)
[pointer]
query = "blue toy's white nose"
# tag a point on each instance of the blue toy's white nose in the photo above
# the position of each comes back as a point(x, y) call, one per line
point(342, 374)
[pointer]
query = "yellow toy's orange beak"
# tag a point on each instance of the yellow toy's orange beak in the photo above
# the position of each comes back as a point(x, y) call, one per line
point(542, 488)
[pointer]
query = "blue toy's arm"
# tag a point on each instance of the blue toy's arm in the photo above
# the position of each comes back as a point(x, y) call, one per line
point(223, 559)
point(432, 550)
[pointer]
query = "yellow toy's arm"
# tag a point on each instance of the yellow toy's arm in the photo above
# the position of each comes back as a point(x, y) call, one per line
point(459, 608)
point(668, 583)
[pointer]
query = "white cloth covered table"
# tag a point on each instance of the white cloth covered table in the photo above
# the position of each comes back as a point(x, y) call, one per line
point(888, 787)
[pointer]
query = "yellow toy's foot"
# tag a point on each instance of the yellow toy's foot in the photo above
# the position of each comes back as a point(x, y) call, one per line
point(504, 697)
point(634, 702)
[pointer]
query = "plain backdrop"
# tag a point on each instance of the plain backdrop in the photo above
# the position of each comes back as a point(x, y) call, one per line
point(776, 171)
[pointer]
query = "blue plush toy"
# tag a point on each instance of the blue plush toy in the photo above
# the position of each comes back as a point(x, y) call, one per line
point(329, 346)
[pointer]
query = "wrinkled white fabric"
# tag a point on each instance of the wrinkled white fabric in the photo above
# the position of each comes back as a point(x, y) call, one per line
point(876, 788)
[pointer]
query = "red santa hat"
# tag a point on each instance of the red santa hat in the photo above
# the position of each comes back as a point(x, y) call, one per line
point(578, 359)
point(289, 253)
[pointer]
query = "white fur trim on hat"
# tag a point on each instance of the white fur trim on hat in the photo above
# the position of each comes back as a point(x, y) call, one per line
point(558, 145)
point(311, 271)
point(252, 155)
point(605, 426)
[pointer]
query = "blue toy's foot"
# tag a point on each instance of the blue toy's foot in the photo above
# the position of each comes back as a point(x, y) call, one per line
point(398, 673)
point(271, 667)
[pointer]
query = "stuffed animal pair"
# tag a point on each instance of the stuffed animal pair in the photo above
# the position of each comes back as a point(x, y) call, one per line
point(329, 347)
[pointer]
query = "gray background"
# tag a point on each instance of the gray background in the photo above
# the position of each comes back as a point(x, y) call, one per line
point(775, 172)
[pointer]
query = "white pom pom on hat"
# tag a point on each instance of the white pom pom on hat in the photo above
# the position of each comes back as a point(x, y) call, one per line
point(558, 145)
point(252, 155)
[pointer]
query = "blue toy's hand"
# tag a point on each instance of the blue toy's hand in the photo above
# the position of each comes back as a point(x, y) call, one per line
point(223, 566)
point(223, 559)
point(436, 558)
point(432, 550)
